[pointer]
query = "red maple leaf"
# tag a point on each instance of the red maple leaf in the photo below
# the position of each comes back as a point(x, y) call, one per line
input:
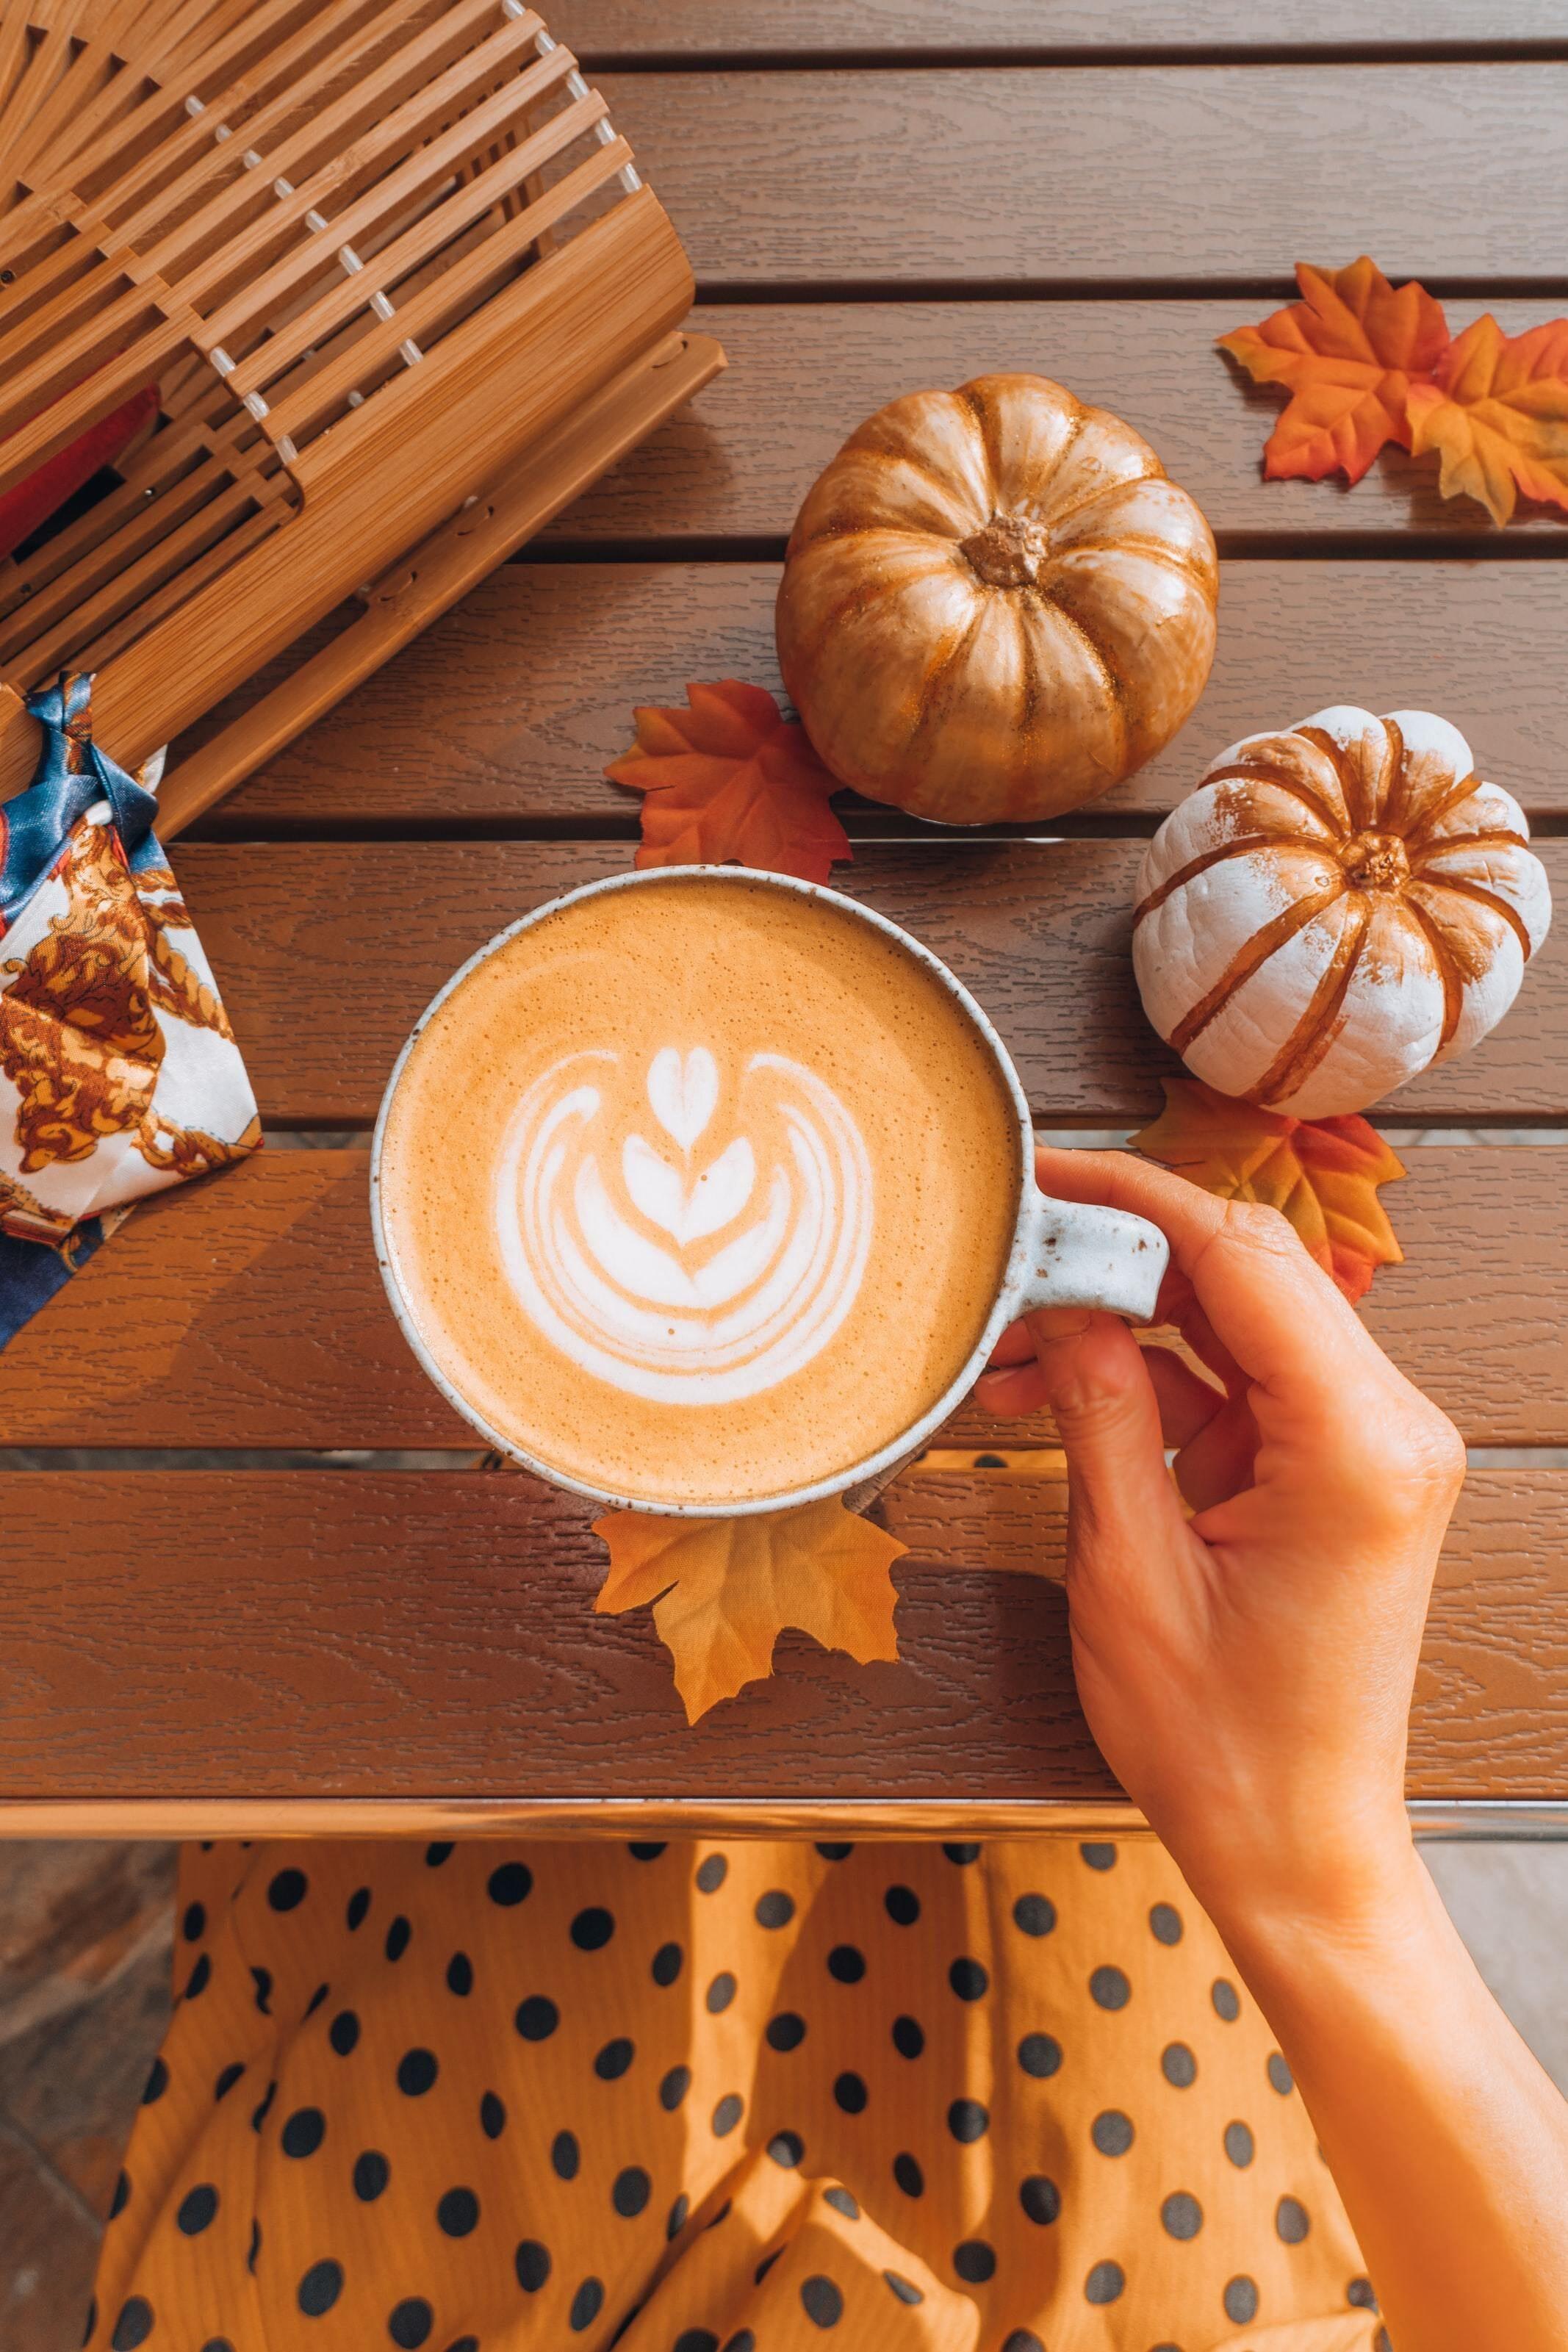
point(730, 780)
point(1348, 354)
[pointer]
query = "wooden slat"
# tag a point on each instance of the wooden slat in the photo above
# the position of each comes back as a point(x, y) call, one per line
point(1119, 175)
point(327, 952)
point(261, 1634)
point(507, 708)
point(249, 1311)
point(804, 375)
point(629, 29)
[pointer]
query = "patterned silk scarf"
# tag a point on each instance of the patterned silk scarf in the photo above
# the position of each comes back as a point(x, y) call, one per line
point(119, 1072)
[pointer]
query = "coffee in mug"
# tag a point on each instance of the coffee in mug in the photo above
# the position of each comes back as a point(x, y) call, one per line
point(701, 1190)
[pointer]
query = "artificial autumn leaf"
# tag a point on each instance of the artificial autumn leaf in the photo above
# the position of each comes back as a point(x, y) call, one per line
point(1348, 354)
point(1322, 1172)
point(724, 1590)
point(1497, 414)
point(730, 778)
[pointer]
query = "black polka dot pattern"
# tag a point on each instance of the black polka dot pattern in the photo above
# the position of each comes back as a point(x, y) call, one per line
point(1178, 2065)
point(1240, 2301)
point(1181, 2215)
point(320, 2288)
point(821, 2301)
point(997, 2078)
point(1041, 2199)
point(1040, 2054)
point(974, 2261)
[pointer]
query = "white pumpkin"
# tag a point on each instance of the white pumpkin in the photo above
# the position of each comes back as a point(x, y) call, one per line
point(1335, 908)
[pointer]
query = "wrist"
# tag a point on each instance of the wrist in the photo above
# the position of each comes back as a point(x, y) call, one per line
point(1375, 1905)
point(1341, 1881)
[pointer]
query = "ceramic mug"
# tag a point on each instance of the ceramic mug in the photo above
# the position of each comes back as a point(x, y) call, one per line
point(1064, 1253)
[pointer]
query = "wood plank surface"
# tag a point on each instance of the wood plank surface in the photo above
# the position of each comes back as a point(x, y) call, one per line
point(249, 1311)
point(327, 953)
point(339, 1633)
point(629, 30)
point(1067, 176)
point(505, 711)
point(801, 375)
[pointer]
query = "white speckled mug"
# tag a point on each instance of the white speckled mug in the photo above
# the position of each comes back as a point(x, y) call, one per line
point(1063, 1254)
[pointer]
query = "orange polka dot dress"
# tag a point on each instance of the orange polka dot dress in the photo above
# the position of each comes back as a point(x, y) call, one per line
point(745, 2097)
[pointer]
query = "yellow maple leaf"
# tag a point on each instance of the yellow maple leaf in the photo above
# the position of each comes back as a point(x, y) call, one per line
point(724, 1590)
point(1496, 411)
point(1322, 1172)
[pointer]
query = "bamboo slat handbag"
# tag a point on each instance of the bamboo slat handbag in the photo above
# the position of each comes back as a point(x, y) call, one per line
point(360, 292)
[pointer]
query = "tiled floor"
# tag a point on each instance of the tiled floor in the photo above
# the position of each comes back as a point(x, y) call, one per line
point(85, 1931)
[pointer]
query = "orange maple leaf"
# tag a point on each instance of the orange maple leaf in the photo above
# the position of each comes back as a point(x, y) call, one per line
point(724, 1590)
point(1496, 414)
point(1348, 354)
point(1323, 1172)
point(730, 778)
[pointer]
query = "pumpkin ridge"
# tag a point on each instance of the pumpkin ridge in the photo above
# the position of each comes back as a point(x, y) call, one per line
point(910, 454)
point(1156, 473)
point(1462, 789)
point(1479, 892)
point(1498, 840)
point(1249, 959)
point(861, 598)
point(1314, 1033)
point(1352, 781)
point(1185, 567)
point(1078, 414)
point(1391, 794)
point(1448, 971)
point(1115, 683)
point(931, 711)
point(1200, 865)
point(1283, 783)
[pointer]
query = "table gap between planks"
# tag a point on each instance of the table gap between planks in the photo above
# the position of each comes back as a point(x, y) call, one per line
point(277, 1639)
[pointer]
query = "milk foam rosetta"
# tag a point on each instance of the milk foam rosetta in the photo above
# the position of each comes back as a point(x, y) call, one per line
point(682, 1279)
point(700, 1190)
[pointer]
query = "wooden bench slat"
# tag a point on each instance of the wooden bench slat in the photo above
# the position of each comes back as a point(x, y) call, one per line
point(249, 1311)
point(507, 708)
point(802, 375)
point(330, 1633)
point(327, 953)
point(626, 30)
point(1116, 176)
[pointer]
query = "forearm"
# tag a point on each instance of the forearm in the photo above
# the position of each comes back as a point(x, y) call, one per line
point(1448, 2142)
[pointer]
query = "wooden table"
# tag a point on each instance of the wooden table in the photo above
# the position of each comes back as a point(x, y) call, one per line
point(876, 195)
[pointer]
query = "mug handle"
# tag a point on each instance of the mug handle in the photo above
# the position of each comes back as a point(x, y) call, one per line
point(1077, 1253)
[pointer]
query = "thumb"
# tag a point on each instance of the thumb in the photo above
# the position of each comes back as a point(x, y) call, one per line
point(1120, 1500)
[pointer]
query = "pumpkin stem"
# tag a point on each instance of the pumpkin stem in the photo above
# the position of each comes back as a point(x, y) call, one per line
point(1375, 861)
point(1009, 551)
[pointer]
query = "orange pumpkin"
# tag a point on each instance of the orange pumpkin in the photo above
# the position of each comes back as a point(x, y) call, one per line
point(994, 604)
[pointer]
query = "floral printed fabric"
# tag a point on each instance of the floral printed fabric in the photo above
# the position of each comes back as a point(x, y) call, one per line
point(119, 1072)
point(753, 2097)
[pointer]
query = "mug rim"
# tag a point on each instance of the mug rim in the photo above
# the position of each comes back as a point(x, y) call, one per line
point(871, 1467)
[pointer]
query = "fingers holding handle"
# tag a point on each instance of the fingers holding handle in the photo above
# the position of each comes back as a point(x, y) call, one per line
point(1083, 1254)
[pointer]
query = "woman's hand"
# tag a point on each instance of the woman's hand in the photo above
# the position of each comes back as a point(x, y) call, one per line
point(1248, 1673)
point(1246, 1670)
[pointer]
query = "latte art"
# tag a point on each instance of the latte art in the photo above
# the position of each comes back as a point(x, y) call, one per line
point(686, 1242)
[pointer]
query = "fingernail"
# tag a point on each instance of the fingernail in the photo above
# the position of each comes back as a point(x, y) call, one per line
point(1058, 1322)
